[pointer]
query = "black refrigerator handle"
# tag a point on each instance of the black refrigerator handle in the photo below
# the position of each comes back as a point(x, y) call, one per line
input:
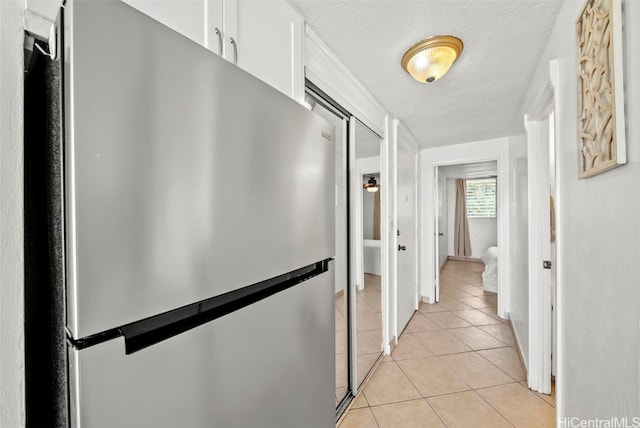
point(149, 331)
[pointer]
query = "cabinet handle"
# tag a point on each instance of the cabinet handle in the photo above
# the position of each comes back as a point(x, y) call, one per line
point(235, 50)
point(219, 34)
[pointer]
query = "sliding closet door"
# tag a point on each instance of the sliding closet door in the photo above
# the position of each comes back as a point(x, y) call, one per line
point(365, 249)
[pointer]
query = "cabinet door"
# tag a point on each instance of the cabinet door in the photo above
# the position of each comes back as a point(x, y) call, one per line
point(269, 41)
point(187, 17)
point(215, 31)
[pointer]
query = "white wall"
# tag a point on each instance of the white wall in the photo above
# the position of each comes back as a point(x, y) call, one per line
point(518, 256)
point(495, 149)
point(372, 260)
point(367, 214)
point(371, 256)
point(598, 240)
point(483, 232)
point(12, 405)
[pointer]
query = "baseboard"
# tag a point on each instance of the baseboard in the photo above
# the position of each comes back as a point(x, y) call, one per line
point(465, 259)
point(518, 347)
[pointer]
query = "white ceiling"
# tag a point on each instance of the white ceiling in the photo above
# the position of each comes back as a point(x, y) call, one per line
point(481, 95)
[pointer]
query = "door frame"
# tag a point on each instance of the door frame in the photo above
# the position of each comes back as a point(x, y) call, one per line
point(539, 361)
point(540, 328)
point(481, 151)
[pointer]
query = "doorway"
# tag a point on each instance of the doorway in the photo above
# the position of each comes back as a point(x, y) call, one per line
point(467, 212)
point(431, 161)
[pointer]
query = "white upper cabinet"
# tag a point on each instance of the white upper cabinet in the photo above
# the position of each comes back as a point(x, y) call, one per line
point(263, 37)
point(187, 17)
point(269, 43)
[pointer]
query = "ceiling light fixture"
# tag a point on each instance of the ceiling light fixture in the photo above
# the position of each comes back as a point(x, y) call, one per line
point(371, 185)
point(430, 59)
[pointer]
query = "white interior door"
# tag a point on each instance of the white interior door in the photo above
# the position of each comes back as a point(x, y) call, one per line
point(436, 232)
point(407, 282)
point(553, 247)
point(539, 370)
point(442, 222)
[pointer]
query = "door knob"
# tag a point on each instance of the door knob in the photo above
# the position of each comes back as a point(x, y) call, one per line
point(441, 234)
point(402, 248)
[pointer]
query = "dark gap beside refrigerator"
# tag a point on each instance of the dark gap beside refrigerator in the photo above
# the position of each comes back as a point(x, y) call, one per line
point(45, 350)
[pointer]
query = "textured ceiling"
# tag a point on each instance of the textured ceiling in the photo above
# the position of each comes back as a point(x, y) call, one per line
point(480, 96)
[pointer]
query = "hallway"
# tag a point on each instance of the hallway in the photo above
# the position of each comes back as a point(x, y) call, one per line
point(455, 365)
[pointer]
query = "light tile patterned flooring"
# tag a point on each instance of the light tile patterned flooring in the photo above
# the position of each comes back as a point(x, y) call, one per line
point(455, 365)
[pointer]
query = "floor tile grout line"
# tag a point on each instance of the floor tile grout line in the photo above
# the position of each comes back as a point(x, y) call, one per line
point(416, 388)
point(425, 399)
point(537, 394)
point(465, 382)
point(493, 407)
point(435, 412)
point(496, 366)
point(529, 390)
point(374, 416)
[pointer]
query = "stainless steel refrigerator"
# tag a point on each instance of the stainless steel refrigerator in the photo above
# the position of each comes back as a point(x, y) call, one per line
point(199, 235)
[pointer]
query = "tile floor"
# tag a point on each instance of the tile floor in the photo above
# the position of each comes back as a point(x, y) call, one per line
point(369, 333)
point(455, 366)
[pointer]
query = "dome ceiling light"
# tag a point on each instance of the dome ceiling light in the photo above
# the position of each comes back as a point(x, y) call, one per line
point(430, 59)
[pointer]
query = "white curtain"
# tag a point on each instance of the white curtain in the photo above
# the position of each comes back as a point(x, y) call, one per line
point(461, 240)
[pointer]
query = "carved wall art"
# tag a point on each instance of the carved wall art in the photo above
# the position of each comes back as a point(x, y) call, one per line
point(601, 133)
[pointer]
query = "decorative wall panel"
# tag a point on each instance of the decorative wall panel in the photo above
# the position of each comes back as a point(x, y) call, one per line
point(600, 88)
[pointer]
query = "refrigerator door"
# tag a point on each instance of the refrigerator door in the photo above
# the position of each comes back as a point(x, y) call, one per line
point(269, 365)
point(185, 176)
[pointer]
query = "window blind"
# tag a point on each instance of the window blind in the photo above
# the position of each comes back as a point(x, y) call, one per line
point(481, 197)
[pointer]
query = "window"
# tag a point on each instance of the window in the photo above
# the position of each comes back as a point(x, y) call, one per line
point(481, 197)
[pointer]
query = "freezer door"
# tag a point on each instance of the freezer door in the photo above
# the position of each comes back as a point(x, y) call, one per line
point(185, 176)
point(269, 365)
